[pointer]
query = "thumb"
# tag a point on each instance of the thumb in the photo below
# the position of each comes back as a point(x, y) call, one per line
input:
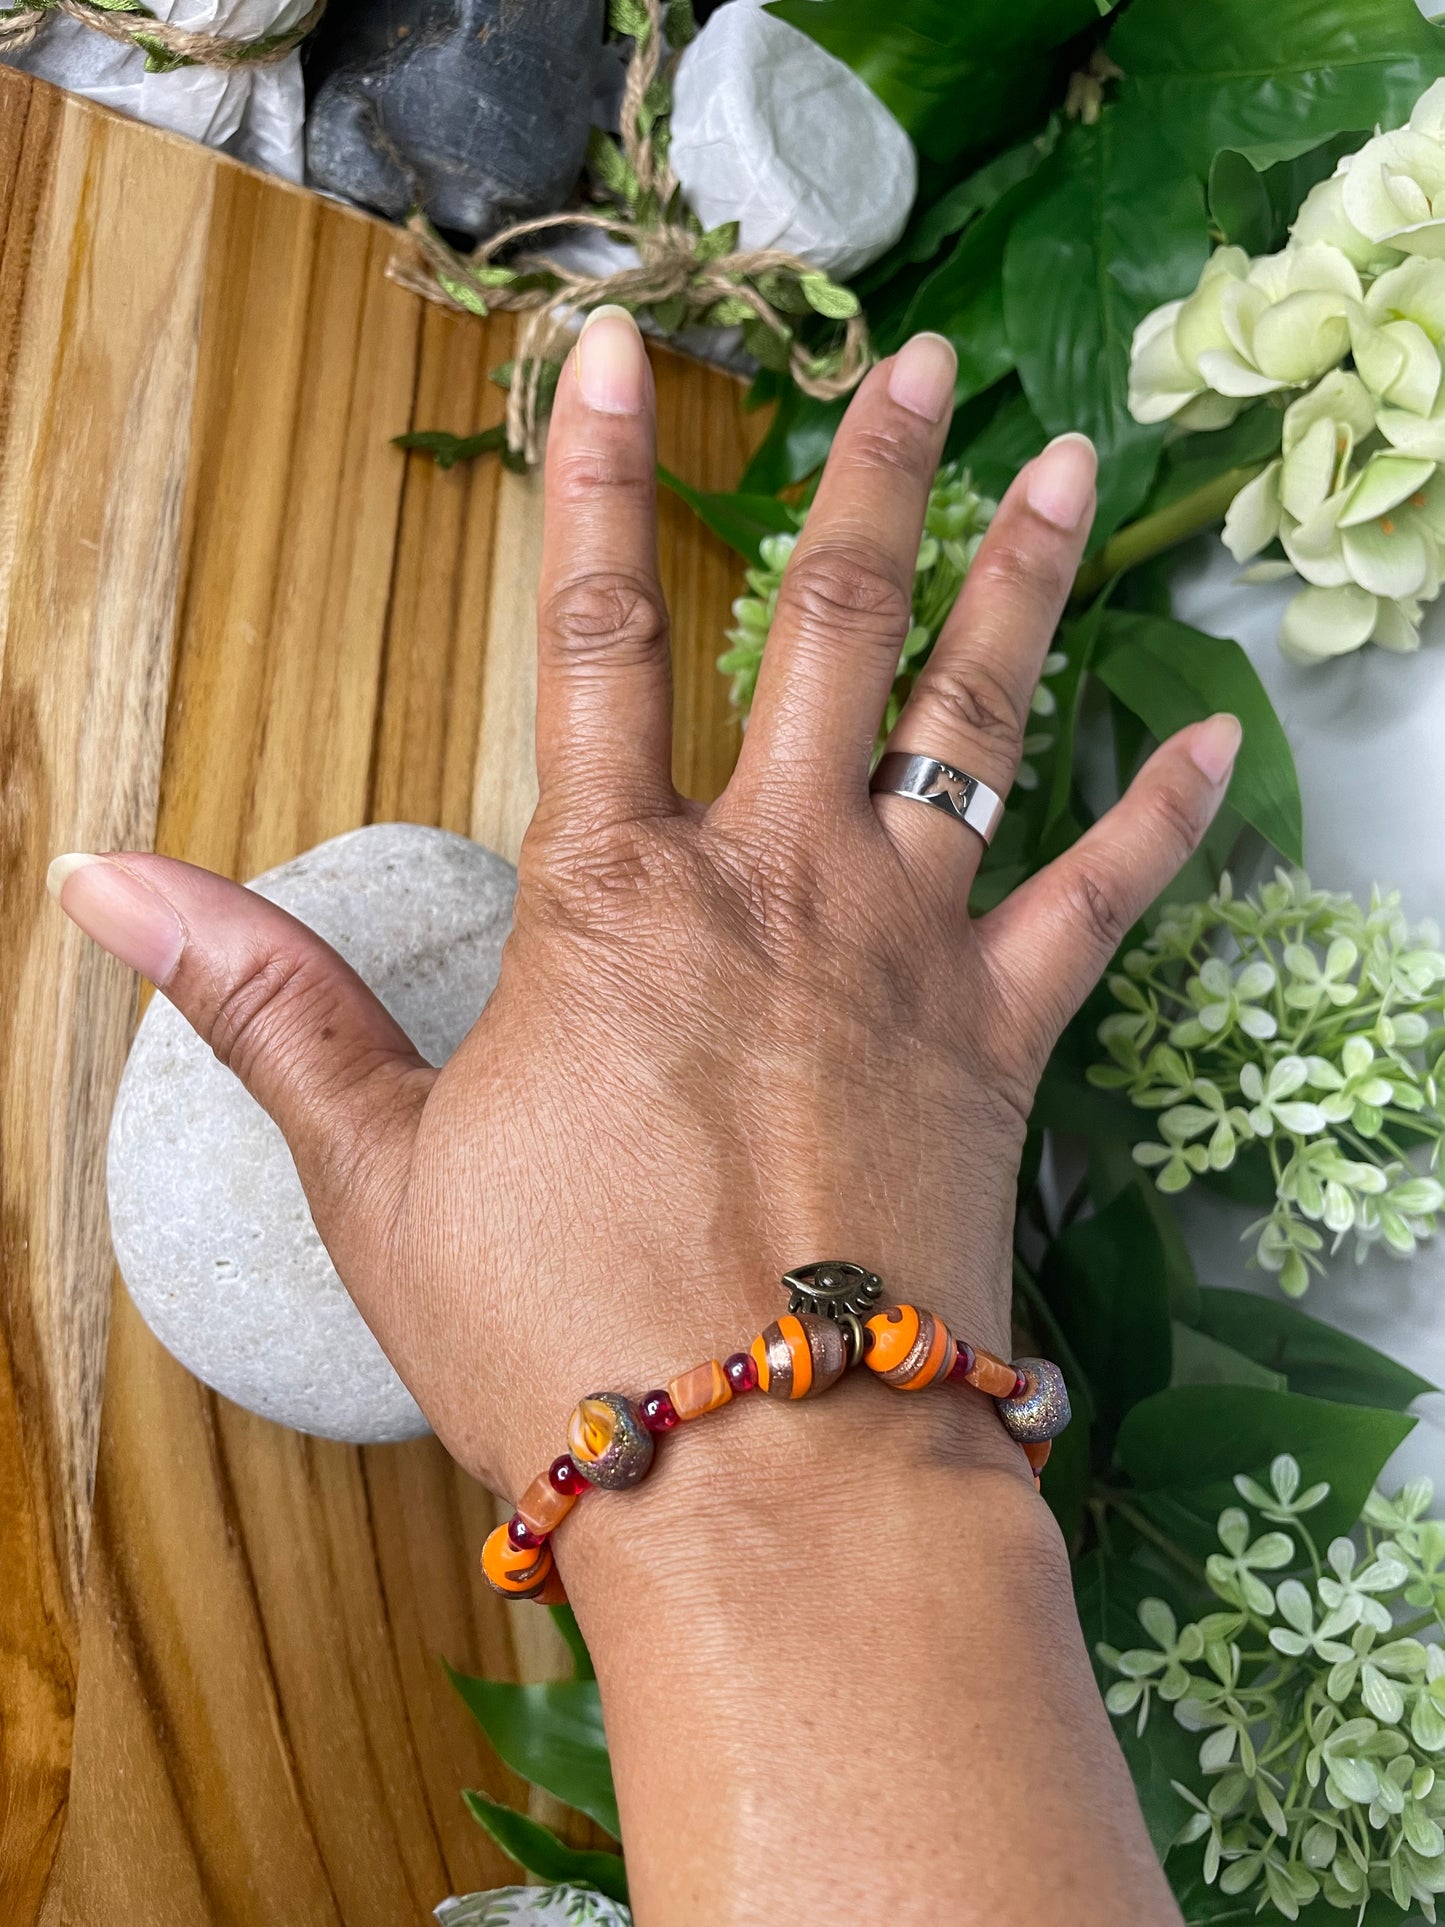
point(315, 1048)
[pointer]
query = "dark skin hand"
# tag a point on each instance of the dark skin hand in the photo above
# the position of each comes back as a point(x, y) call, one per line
point(840, 1665)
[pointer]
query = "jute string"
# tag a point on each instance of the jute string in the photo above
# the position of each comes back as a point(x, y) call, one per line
point(669, 268)
point(131, 23)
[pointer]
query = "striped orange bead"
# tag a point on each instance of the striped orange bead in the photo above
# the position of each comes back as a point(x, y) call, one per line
point(799, 1355)
point(911, 1349)
point(993, 1375)
point(521, 1572)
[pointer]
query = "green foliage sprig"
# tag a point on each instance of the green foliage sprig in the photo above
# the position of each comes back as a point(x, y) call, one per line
point(1297, 1021)
point(1322, 1709)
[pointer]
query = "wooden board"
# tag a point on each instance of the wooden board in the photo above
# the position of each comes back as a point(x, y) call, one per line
point(235, 619)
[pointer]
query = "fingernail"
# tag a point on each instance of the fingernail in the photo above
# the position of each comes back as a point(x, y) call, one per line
point(1061, 482)
point(1214, 746)
point(612, 362)
point(922, 376)
point(119, 913)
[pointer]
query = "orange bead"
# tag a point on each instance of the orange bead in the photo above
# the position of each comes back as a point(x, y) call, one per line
point(518, 1571)
point(924, 1359)
point(1038, 1454)
point(993, 1375)
point(554, 1593)
point(542, 1508)
point(895, 1332)
point(800, 1355)
point(700, 1391)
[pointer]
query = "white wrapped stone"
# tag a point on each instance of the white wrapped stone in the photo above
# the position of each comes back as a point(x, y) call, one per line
point(771, 131)
point(252, 112)
point(211, 1229)
point(533, 1907)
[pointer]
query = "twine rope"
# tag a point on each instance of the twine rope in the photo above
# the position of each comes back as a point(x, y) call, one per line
point(164, 44)
point(670, 268)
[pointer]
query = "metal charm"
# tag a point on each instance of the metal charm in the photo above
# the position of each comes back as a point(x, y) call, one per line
point(831, 1287)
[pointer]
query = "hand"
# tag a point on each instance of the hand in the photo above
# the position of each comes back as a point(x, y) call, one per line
point(725, 1040)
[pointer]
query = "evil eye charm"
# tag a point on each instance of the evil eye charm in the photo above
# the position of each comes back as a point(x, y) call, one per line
point(1041, 1410)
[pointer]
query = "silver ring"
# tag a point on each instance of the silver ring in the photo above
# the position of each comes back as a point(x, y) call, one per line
point(925, 780)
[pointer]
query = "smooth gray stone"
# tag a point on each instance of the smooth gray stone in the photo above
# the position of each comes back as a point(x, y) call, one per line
point(474, 110)
point(213, 1235)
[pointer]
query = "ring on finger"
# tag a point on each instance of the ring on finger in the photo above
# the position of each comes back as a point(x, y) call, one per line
point(924, 779)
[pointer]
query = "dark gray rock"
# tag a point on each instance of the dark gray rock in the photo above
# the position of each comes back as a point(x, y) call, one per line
point(474, 110)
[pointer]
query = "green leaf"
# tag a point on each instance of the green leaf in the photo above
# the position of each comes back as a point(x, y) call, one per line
point(539, 1850)
point(959, 78)
point(996, 437)
point(447, 450)
point(1238, 73)
point(610, 167)
point(465, 293)
point(1194, 461)
point(826, 298)
point(1183, 1447)
point(741, 520)
point(718, 241)
point(953, 211)
point(1170, 675)
point(1313, 1357)
point(565, 1621)
point(1104, 1279)
point(628, 19)
point(1067, 1480)
point(797, 442)
point(1202, 1360)
point(1107, 1592)
point(1077, 641)
point(1255, 193)
point(963, 298)
point(551, 1734)
point(1114, 229)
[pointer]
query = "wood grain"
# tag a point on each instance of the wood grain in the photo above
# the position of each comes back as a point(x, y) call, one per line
point(234, 617)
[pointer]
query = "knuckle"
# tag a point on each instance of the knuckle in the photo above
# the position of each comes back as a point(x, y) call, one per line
point(1020, 573)
point(1096, 910)
point(848, 586)
point(606, 615)
point(976, 701)
point(618, 468)
point(887, 448)
point(262, 1009)
point(1180, 818)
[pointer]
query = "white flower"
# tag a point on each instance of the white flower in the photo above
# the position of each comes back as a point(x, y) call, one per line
point(1394, 188)
point(1323, 218)
point(1321, 433)
point(1165, 379)
point(1287, 322)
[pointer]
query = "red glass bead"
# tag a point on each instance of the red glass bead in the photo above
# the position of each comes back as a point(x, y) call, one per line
point(964, 1363)
point(565, 1476)
point(522, 1535)
point(1021, 1385)
point(742, 1372)
point(659, 1414)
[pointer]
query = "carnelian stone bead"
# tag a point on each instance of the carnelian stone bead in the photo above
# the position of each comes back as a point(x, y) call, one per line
point(565, 1476)
point(702, 1390)
point(554, 1593)
point(542, 1508)
point(1037, 1451)
point(659, 1414)
point(993, 1375)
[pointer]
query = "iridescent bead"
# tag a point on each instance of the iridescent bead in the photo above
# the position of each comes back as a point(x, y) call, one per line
point(742, 1373)
point(659, 1414)
point(609, 1443)
point(565, 1477)
point(1041, 1410)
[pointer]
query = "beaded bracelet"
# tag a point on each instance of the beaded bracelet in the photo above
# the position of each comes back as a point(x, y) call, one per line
point(611, 1439)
